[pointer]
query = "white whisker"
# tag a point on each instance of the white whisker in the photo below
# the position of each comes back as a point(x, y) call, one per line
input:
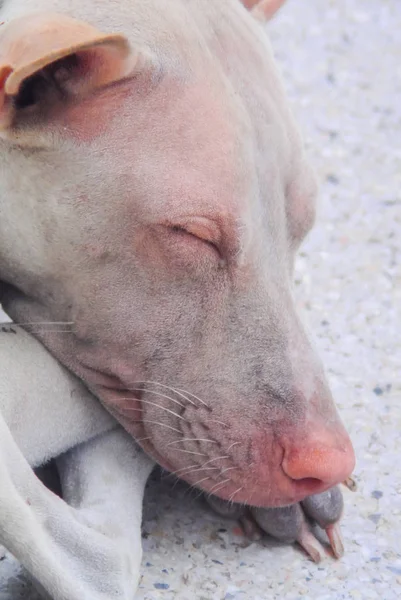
point(180, 470)
point(190, 452)
point(231, 498)
point(168, 387)
point(213, 459)
point(192, 440)
point(217, 486)
point(204, 469)
point(198, 495)
point(157, 394)
point(38, 330)
point(46, 331)
point(181, 392)
point(193, 396)
point(232, 446)
point(228, 469)
point(157, 406)
point(197, 467)
point(157, 423)
point(200, 481)
point(42, 323)
point(219, 422)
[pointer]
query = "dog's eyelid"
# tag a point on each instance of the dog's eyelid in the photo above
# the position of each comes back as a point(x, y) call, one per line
point(200, 227)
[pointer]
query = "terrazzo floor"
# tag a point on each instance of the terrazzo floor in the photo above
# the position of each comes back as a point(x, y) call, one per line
point(341, 61)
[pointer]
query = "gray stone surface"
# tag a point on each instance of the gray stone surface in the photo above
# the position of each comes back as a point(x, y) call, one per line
point(341, 61)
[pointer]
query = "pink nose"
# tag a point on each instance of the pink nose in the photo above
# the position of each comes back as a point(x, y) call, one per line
point(325, 458)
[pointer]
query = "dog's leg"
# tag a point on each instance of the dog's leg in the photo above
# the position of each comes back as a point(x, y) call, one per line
point(47, 409)
point(88, 550)
point(104, 481)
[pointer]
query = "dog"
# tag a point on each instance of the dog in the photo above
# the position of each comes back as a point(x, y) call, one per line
point(155, 191)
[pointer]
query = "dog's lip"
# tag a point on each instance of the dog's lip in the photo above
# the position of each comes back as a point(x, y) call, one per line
point(285, 493)
point(111, 389)
point(111, 394)
point(100, 380)
point(288, 491)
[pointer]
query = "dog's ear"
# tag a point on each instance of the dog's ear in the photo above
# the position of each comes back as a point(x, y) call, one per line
point(43, 50)
point(263, 9)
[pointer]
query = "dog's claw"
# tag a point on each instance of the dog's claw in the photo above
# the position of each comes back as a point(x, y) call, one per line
point(293, 523)
point(351, 484)
point(336, 540)
point(251, 528)
point(310, 544)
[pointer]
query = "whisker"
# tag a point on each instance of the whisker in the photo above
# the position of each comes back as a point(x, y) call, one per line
point(213, 459)
point(197, 466)
point(181, 392)
point(157, 406)
point(180, 471)
point(168, 387)
point(190, 452)
point(192, 440)
point(193, 396)
point(143, 439)
point(203, 469)
point(42, 323)
point(157, 423)
point(198, 495)
point(232, 446)
point(228, 469)
point(157, 394)
point(38, 330)
point(217, 485)
point(219, 422)
point(193, 485)
point(200, 481)
point(176, 482)
point(231, 498)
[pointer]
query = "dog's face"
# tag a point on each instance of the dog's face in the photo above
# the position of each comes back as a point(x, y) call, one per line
point(159, 213)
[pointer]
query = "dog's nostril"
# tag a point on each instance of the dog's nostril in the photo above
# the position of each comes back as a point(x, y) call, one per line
point(312, 481)
point(310, 485)
point(319, 464)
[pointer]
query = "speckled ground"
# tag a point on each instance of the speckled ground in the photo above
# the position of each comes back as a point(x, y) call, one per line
point(341, 61)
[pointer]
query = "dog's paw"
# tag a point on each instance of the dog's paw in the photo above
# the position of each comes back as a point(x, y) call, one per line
point(325, 510)
point(291, 524)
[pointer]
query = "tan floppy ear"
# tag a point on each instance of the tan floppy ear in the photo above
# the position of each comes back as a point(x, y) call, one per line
point(55, 50)
point(263, 9)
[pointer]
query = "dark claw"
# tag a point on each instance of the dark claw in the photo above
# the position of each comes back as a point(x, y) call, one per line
point(351, 484)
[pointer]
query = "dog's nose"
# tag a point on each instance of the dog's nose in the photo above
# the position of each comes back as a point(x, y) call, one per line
point(326, 456)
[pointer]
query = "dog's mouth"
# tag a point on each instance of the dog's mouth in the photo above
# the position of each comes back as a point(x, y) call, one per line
point(187, 440)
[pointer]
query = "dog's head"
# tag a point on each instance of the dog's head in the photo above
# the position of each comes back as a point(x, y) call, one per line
point(155, 191)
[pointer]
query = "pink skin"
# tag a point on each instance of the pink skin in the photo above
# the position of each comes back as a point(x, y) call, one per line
point(162, 221)
point(266, 472)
